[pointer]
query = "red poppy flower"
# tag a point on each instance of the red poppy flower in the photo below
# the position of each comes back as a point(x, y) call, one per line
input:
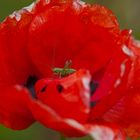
point(102, 102)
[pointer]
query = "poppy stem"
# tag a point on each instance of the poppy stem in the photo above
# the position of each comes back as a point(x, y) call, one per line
point(62, 137)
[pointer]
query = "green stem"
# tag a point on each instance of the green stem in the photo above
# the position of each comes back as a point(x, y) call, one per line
point(62, 137)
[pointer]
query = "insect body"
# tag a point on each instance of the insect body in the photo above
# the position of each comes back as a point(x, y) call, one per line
point(62, 72)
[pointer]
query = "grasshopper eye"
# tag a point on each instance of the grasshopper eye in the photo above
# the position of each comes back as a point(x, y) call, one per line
point(60, 88)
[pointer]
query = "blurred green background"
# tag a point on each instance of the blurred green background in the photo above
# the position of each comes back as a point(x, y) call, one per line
point(128, 14)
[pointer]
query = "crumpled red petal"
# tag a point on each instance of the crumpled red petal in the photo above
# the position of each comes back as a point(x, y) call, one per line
point(14, 111)
point(56, 116)
point(125, 111)
point(54, 22)
point(48, 117)
point(113, 83)
point(13, 41)
point(71, 92)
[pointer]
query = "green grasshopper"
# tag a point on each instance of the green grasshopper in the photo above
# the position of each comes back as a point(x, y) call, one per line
point(62, 72)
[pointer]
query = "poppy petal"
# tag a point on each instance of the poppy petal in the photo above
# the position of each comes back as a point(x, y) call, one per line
point(71, 128)
point(52, 52)
point(113, 86)
point(14, 60)
point(71, 92)
point(14, 111)
point(125, 113)
point(125, 110)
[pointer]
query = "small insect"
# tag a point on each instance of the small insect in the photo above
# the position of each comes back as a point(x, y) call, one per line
point(67, 70)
